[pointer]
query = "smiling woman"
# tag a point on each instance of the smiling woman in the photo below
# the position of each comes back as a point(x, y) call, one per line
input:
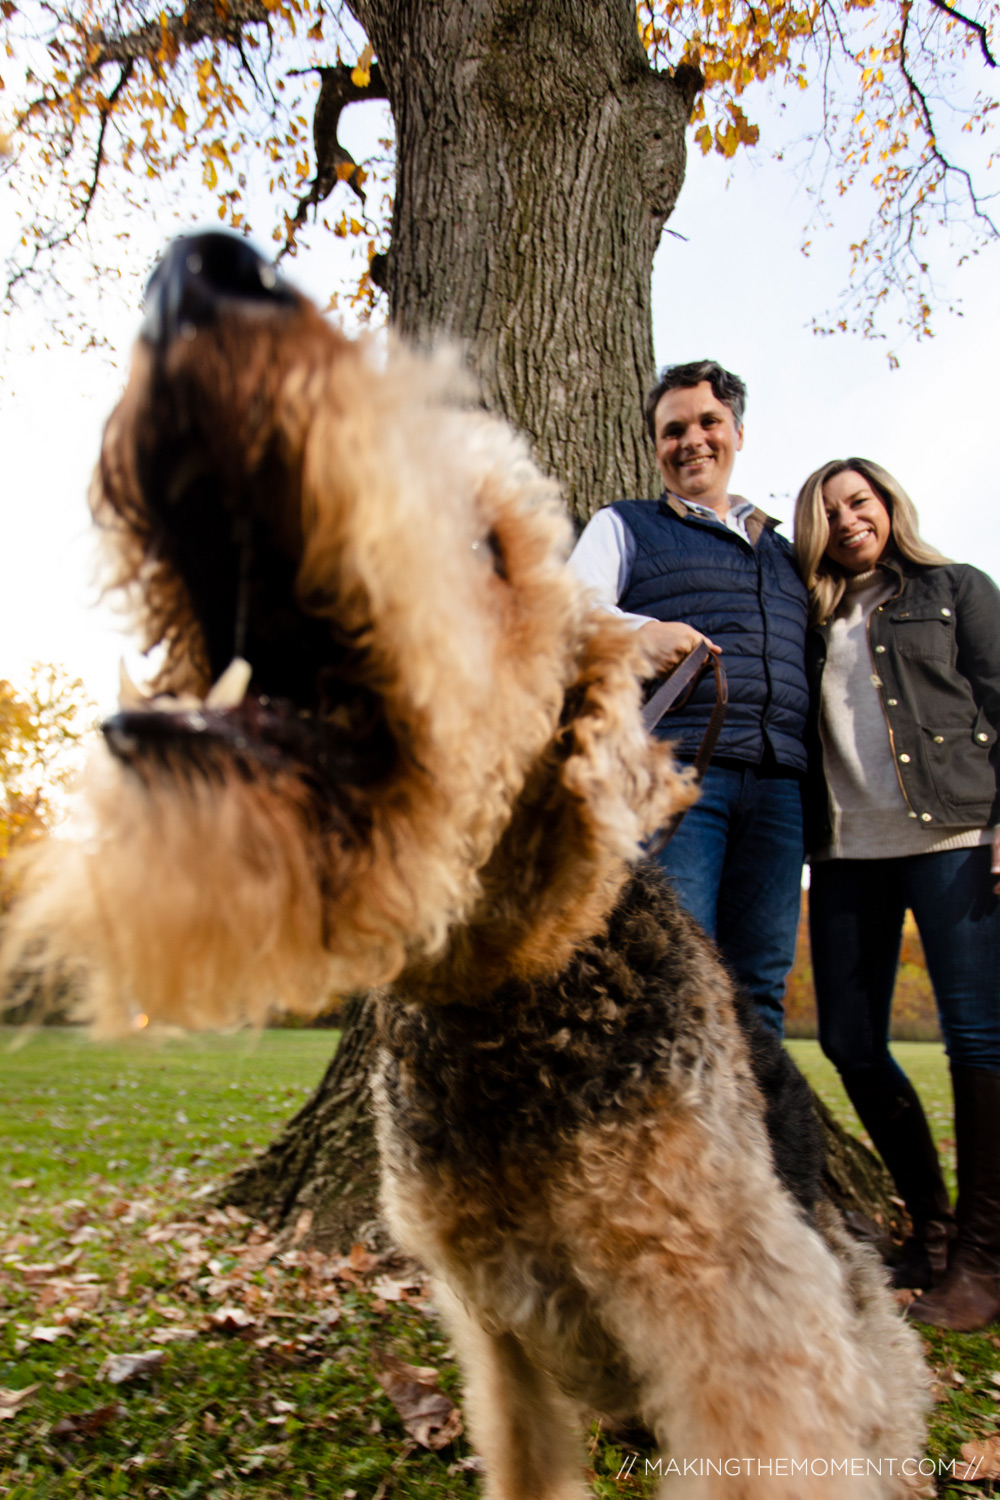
point(904, 667)
point(858, 520)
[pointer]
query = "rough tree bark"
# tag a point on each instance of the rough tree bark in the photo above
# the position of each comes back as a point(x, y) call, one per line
point(538, 159)
point(324, 1162)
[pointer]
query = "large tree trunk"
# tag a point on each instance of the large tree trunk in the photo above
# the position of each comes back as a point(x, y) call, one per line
point(538, 158)
point(323, 1164)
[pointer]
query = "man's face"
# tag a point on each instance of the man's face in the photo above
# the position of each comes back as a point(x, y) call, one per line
point(697, 441)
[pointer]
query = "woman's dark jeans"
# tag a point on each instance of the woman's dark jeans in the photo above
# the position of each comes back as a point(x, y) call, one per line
point(856, 909)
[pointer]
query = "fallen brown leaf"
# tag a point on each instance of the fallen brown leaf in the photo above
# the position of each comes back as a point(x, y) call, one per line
point(982, 1461)
point(253, 1257)
point(390, 1290)
point(303, 1224)
point(11, 1401)
point(47, 1335)
point(43, 1270)
point(20, 1241)
point(230, 1319)
point(472, 1464)
point(87, 1423)
point(362, 1260)
point(118, 1368)
point(429, 1416)
point(162, 1234)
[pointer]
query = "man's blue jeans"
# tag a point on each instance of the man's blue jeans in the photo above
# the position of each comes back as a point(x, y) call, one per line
point(736, 865)
point(856, 909)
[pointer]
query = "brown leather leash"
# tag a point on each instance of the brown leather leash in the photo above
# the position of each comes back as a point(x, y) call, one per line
point(673, 693)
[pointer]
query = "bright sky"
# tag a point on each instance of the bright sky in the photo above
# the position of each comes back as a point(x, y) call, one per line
point(735, 289)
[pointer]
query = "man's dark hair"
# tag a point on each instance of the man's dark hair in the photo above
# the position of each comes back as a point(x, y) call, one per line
point(726, 387)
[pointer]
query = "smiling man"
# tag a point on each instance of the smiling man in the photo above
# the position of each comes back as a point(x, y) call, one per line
point(698, 564)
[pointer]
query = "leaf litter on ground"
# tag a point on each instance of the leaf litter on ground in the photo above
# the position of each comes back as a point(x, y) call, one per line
point(272, 1358)
point(137, 1301)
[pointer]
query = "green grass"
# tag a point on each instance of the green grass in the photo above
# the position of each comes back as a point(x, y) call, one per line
point(106, 1248)
point(71, 1107)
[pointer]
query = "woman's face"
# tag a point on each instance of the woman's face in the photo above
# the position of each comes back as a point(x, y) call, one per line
point(860, 528)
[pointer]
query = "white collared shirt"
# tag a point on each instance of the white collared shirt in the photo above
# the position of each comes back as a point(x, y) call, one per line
point(605, 552)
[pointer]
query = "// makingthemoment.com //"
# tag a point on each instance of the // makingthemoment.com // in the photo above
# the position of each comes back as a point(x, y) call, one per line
point(735, 1468)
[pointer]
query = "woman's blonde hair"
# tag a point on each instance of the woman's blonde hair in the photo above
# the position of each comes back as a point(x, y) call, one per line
point(824, 579)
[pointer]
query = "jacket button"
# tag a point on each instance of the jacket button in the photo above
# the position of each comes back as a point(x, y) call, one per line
point(982, 738)
point(939, 739)
point(879, 650)
point(925, 818)
point(893, 702)
point(946, 612)
point(905, 759)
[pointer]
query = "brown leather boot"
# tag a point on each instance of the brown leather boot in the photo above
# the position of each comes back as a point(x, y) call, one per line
point(923, 1255)
point(969, 1296)
point(890, 1110)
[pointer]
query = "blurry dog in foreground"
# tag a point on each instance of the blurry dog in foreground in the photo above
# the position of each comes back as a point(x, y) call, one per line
point(391, 743)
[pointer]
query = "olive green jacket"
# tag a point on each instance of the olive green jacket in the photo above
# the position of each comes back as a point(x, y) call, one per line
point(935, 651)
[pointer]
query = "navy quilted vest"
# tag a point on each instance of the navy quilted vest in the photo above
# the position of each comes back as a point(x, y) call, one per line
point(748, 600)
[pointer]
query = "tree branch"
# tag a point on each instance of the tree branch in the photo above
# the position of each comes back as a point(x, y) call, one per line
point(201, 21)
point(919, 100)
point(337, 89)
point(106, 110)
point(976, 26)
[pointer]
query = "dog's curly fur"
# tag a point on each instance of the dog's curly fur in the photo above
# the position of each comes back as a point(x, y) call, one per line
point(439, 782)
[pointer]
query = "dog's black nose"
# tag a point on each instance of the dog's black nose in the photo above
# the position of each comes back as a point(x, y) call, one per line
point(198, 275)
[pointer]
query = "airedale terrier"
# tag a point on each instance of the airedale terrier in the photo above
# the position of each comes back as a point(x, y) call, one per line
point(432, 775)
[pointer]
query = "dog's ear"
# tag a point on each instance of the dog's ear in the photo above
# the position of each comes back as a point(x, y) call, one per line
point(626, 784)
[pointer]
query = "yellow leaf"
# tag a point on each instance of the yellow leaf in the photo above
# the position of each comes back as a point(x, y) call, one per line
point(361, 74)
point(179, 117)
